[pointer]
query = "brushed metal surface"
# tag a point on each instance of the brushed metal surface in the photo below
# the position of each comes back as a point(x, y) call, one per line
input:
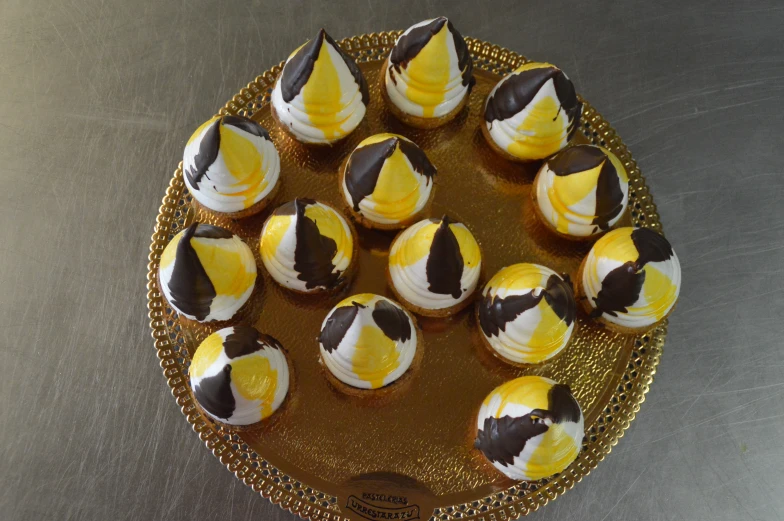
point(97, 99)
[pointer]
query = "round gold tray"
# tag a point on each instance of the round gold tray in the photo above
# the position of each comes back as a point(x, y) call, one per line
point(409, 455)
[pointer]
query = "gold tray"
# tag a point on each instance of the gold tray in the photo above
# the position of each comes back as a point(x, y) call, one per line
point(410, 455)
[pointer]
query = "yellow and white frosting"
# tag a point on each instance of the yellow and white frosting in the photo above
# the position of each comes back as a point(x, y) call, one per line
point(239, 376)
point(368, 341)
point(435, 264)
point(307, 246)
point(631, 277)
point(530, 428)
point(207, 273)
point(321, 95)
point(388, 179)
point(230, 164)
point(582, 190)
point(532, 112)
point(527, 313)
point(430, 70)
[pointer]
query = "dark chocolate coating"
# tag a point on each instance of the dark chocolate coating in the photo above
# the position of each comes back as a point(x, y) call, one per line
point(444, 267)
point(502, 439)
point(392, 320)
point(621, 287)
point(298, 69)
point(214, 394)
point(519, 89)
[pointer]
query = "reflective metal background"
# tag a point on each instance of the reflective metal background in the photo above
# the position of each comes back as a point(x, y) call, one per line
point(97, 99)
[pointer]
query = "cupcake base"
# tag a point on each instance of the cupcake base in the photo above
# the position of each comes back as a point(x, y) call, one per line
point(522, 365)
point(255, 208)
point(583, 301)
point(391, 388)
point(418, 121)
point(373, 225)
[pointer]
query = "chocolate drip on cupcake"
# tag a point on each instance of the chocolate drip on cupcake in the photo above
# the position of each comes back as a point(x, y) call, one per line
point(366, 162)
point(392, 320)
point(445, 263)
point(621, 287)
point(192, 291)
point(337, 325)
point(314, 252)
point(519, 90)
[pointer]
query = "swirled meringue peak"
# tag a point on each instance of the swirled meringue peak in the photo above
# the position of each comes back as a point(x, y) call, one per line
point(230, 164)
point(532, 112)
point(388, 179)
point(530, 428)
point(527, 313)
point(207, 273)
point(435, 264)
point(307, 246)
point(582, 190)
point(430, 70)
point(321, 95)
point(368, 341)
point(631, 278)
point(239, 376)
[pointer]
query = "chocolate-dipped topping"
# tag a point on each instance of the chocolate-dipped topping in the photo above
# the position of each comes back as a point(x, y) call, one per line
point(409, 45)
point(392, 320)
point(444, 266)
point(621, 287)
point(502, 439)
point(365, 165)
point(519, 89)
point(298, 69)
point(214, 394)
point(337, 325)
point(314, 252)
point(191, 289)
point(208, 153)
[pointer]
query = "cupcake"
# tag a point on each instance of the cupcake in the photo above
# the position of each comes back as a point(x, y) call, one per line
point(231, 166)
point(239, 376)
point(530, 428)
point(526, 314)
point(434, 267)
point(428, 75)
point(320, 96)
point(630, 280)
point(387, 182)
point(207, 273)
point(367, 342)
point(532, 113)
point(581, 192)
point(307, 246)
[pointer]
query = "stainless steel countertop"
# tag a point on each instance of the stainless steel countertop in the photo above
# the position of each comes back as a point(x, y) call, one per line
point(97, 99)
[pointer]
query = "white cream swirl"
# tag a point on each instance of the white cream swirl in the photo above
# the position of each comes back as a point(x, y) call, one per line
point(435, 264)
point(527, 313)
point(230, 164)
point(632, 278)
point(331, 101)
point(368, 341)
point(244, 364)
point(319, 234)
point(430, 81)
